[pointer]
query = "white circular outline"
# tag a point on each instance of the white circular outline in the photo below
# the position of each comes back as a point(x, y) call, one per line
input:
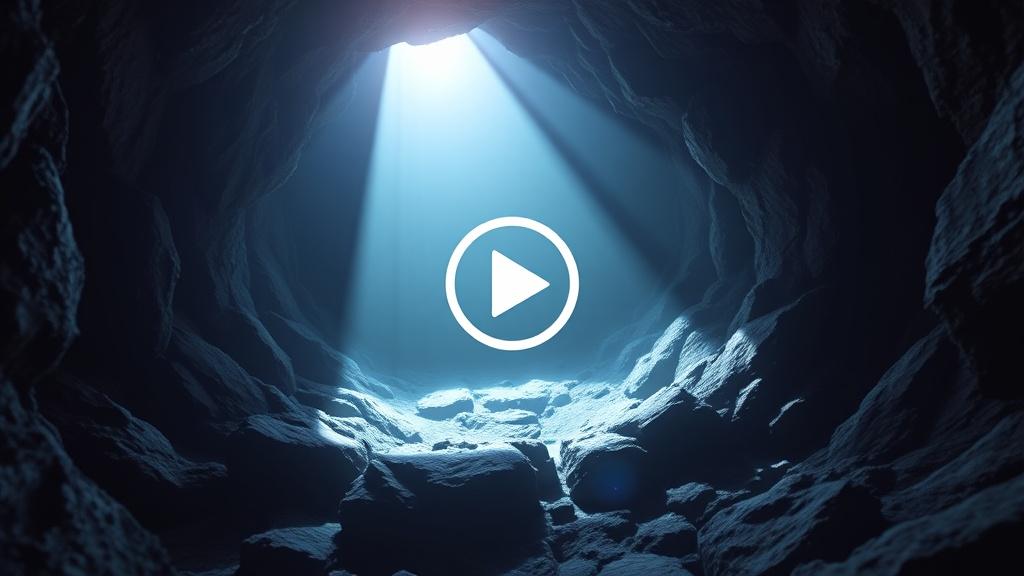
point(453, 298)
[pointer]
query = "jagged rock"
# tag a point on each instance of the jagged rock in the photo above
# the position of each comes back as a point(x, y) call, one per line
point(200, 394)
point(41, 269)
point(515, 417)
point(757, 350)
point(498, 426)
point(293, 464)
point(657, 368)
point(548, 485)
point(55, 519)
point(797, 520)
point(534, 396)
point(644, 565)
point(690, 500)
point(978, 534)
point(299, 551)
point(316, 361)
point(662, 422)
point(409, 506)
point(599, 538)
point(723, 499)
point(445, 404)
point(365, 415)
point(241, 333)
point(542, 563)
point(578, 567)
point(131, 459)
point(965, 68)
point(606, 472)
point(562, 512)
point(892, 419)
point(983, 464)
point(668, 535)
point(974, 272)
point(446, 444)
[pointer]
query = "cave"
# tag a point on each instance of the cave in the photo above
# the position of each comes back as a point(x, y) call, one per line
point(764, 320)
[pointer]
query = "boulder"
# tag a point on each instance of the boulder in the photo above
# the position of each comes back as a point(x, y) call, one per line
point(445, 404)
point(644, 565)
point(979, 535)
point(298, 551)
point(606, 471)
point(764, 349)
point(578, 567)
point(408, 508)
point(130, 458)
point(895, 417)
point(562, 512)
point(41, 268)
point(548, 484)
point(799, 519)
point(498, 426)
point(685, 438)
point(668, 535)
point(533, 396)
point(599, 538)
point(690, 500)
point(294, 465)
point(55, 519)
point(358, 415)
point(239, 332)
point(657, 368)
point(516, 417)
point(199, 394)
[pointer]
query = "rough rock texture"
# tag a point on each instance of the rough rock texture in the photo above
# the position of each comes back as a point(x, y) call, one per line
point(685, 437)
point(974, 264)
point(132, 459)
point(668, 535)
point(690, 500)
point(534, 396)
point(302, 551)
point(606, 472)
point(549, 486)
point(798, 519)
point(641, 564)
point(55, 519)
point(445, 404)
point(593, 540)
point(408, 508)
point(967, 537)
point(295, 468)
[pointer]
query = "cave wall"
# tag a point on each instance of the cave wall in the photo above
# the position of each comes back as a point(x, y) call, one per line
point(870, 151)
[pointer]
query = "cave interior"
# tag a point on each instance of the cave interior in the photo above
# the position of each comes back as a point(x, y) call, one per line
point(226, 349)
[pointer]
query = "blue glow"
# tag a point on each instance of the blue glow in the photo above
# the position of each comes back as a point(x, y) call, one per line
point(454, 147)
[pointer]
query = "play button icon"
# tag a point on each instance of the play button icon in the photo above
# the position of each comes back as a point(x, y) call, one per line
point(512, 283)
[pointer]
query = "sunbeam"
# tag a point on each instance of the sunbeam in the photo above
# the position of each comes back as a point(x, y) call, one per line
point(454, 148)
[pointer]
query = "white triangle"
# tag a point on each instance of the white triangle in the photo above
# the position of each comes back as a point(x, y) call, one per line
point(511, 284)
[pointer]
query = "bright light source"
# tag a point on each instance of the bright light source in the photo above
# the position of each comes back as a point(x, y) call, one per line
point(435, 64)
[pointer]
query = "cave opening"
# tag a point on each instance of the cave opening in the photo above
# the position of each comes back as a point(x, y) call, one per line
point(466, 131)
